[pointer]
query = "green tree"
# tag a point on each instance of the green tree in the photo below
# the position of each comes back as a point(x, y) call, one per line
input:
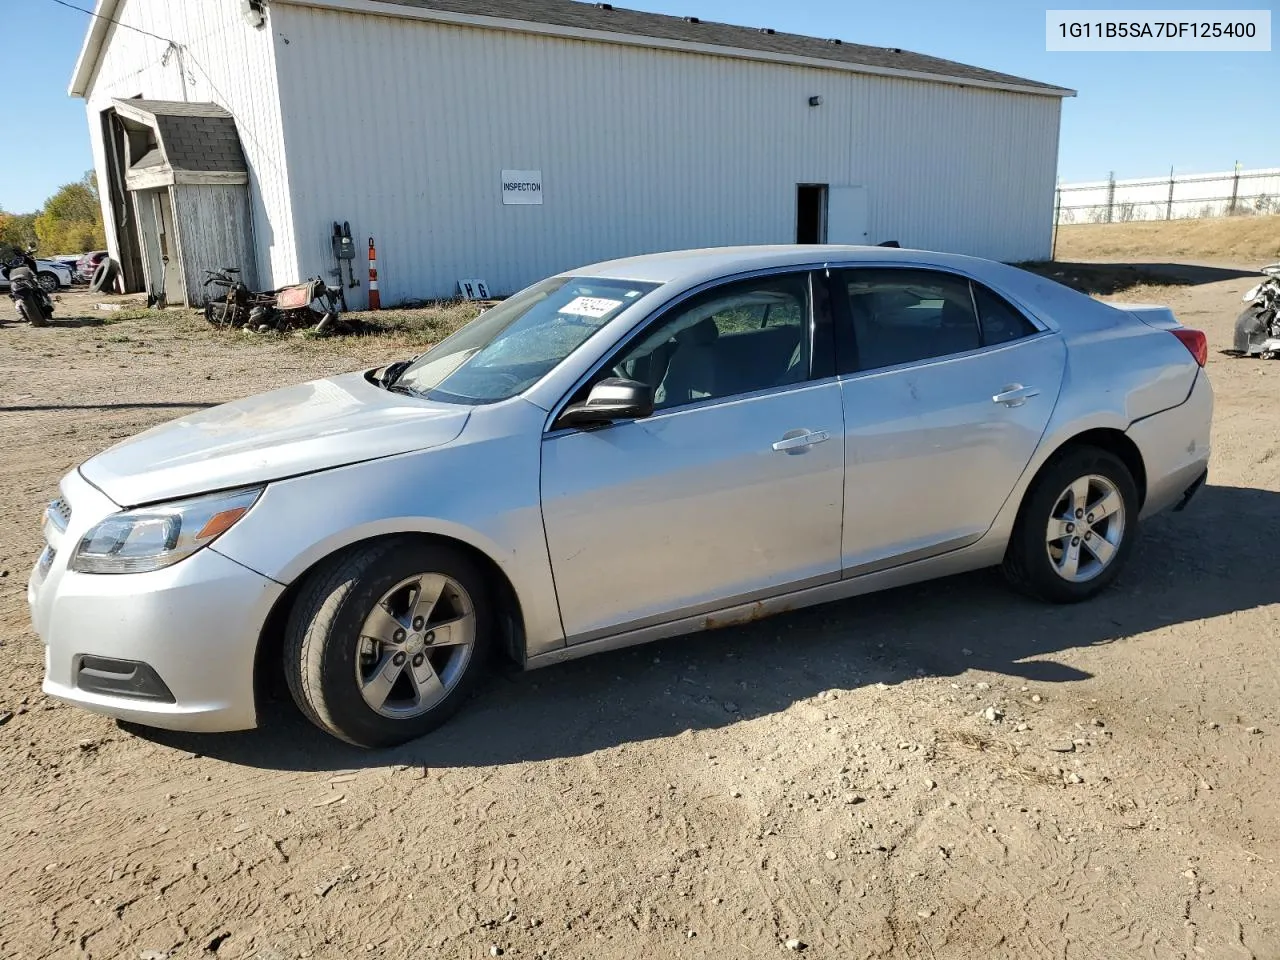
point(17, 229)
point(71, 221)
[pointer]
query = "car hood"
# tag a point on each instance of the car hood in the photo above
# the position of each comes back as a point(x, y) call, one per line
point(295, 430)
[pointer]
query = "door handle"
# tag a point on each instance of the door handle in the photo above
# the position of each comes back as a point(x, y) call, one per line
point(1015, 395)
point(798, 441)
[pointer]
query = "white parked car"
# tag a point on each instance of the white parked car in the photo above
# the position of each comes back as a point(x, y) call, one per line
point(624, 452)
point(52, 274)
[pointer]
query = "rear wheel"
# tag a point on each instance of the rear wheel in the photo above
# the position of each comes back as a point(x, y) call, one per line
point(32, 310)
point(48, 281)
point(386, 641)
point(1076, 528)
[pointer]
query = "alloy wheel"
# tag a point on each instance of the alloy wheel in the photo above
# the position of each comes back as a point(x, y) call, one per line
point(1085, 529)
point(415, 645)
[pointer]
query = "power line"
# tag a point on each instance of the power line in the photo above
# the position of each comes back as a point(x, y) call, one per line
point(118, 23)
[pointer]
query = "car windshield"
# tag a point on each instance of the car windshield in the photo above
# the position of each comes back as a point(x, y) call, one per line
point(512, 346)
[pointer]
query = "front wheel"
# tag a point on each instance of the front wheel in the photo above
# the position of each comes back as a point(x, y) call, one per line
point(1076, 528)
point(387, 640)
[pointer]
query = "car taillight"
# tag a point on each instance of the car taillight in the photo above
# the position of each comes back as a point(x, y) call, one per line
point(1196, 343)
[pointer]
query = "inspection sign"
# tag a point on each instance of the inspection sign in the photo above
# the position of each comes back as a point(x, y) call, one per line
point(521, 186)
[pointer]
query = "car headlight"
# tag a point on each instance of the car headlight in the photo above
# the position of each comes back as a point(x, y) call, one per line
point(150, 538)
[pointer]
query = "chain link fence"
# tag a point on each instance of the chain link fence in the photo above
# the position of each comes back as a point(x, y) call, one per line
point(1238, 193)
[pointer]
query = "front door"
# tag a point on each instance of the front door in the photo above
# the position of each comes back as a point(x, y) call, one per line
point(947, 393)
point(174, 290)
point(730, 491)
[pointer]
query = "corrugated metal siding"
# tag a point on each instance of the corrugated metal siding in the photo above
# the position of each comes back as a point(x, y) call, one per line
point(403, 127)
point(211, 220)
point(227, 62)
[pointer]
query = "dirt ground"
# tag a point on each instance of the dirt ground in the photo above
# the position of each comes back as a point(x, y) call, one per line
point(830, 777)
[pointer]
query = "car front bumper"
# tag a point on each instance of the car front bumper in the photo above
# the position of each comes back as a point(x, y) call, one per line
point(172, 648)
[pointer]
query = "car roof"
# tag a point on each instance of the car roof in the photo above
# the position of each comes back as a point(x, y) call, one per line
point(1052, 303)
point(695, 266)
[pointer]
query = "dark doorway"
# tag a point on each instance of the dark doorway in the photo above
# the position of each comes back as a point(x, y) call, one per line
point(811, 213)
point(119, 203)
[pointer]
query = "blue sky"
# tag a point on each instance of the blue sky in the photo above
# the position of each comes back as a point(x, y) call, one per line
point(1136, 114)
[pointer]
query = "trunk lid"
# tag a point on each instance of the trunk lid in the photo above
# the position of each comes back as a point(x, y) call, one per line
point(1152, 314)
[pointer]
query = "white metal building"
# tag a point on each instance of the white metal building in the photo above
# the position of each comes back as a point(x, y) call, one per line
point(505, 140)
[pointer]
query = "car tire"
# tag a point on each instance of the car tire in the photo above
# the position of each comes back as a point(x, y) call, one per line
point(104, 276)
point(48, 281)
point(1057, 552)
point(338, 672)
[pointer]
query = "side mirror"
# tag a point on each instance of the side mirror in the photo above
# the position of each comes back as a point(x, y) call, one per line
point(609, 400)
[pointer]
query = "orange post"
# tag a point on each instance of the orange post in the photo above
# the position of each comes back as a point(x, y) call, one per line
point(375, 299)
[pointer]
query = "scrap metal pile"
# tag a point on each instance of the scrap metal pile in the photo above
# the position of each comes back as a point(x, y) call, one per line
point(311, 305)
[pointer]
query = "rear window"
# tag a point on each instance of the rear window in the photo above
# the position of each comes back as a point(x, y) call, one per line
point(903, 315)
point(1000, 320)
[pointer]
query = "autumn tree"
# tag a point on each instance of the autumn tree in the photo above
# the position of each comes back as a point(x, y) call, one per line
point(17, 229)
point(71, 221)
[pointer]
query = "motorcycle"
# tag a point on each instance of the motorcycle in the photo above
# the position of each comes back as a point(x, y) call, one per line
point(288, 308)
point(231, 308)
point(1258, 326)
point(28, 296)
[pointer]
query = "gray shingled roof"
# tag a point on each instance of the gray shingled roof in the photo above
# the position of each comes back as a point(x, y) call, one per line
point(590, 16)
point(196, 137)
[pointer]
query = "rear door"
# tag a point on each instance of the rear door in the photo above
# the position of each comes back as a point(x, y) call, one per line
point(947, 389)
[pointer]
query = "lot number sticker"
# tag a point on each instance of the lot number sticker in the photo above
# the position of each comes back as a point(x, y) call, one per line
point(594, 307)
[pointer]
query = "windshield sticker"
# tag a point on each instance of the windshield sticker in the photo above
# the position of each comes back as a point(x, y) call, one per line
point(594, 307)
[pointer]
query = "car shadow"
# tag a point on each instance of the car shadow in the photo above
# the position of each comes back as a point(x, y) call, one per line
point(1104, 279)
point(1215, 558)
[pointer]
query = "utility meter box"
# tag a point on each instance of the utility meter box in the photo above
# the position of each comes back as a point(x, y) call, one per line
point(344, 248)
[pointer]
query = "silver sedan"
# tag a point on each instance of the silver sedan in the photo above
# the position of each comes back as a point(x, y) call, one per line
point(634, 450)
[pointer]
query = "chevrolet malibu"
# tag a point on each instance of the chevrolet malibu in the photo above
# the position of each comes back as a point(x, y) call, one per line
point(634, 450)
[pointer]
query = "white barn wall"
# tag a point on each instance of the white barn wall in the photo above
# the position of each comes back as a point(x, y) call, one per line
point(228, 63)
point(402, 127)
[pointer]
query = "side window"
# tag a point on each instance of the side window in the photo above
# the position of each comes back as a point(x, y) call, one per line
point(900, 316)
point(734, 339)
point(1000, 320)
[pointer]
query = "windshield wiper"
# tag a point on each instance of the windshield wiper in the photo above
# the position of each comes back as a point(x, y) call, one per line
point(391, 373)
